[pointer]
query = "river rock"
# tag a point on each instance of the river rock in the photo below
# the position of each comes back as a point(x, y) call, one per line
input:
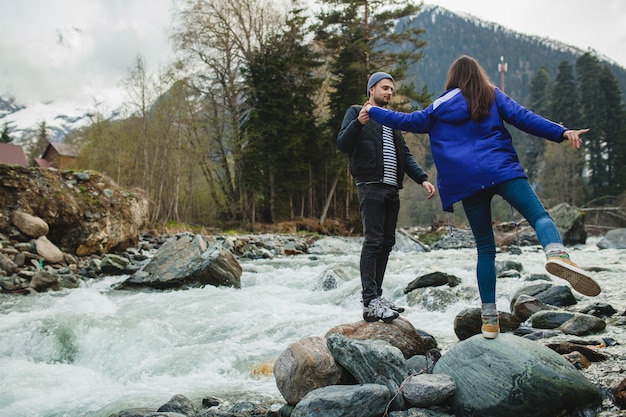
point(186, 261)
point(468, 322)
point(525, 306)
point(367, 360)
point(399, 333)
point(433, 279)
point(28, 224)
point(547, 293)
point(48, 251)
point(620, 394)
point(44, 280)
point(367, 400)
point(550, 319)
point(582, 325)
point(571, 223)
point(614, 239)
point(304, 366)
point(428, 389)
point(419, 412)
point(513, 376)
point(178, 404)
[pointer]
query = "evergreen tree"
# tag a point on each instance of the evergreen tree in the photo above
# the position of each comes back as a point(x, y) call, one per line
point(358, 37)
point(280, 152)
point(41, 141)
point(563, 173)
point(614, 122)
point(5, 135)
point(588, 70)
point(604, 115)
point(530, 148)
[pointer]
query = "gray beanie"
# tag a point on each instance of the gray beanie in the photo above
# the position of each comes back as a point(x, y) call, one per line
point(375, 78)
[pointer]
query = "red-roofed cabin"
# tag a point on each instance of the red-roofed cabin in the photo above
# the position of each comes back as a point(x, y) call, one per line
point(59, 155)
point(12, 154)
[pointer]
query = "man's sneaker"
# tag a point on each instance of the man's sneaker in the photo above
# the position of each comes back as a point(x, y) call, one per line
point(559, 264)
point(490, 323)
point(376, 310)
point(391, 305)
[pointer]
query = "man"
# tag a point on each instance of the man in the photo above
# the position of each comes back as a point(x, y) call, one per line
point(379, 158)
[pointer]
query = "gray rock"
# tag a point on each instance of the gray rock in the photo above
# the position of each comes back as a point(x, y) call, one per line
point(188, 261)
point(428, 389)
point(367, 360)
point(614, 239)
point(28, 224)
point(48, 250)
point(367, 400)
point(550, 319)
point(434, 279)
point(419, 412)
point(582, 325)
point(525, 306)
point(512, 376)
point(570, 222)
point(178, 404)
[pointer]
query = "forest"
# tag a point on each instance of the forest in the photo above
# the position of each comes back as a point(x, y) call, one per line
point(240, 131)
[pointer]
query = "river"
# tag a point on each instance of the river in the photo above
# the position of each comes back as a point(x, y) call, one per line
point(94, 351)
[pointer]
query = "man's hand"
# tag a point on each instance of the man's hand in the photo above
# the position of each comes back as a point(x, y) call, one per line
point(430, 189)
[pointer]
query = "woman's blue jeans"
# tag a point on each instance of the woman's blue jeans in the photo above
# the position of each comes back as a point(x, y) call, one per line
point(522, 197)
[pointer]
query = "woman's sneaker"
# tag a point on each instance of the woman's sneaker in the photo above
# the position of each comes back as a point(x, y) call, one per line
point(490, 323)
point(377, 310)
point(559, 264)
point(391, 305)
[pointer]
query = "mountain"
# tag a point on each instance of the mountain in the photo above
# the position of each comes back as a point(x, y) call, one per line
point(449, 35)
point(61, 118)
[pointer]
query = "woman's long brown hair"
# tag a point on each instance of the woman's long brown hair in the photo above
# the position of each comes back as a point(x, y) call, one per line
point(468, 75)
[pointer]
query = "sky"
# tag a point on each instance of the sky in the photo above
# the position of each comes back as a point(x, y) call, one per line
point(81, 50)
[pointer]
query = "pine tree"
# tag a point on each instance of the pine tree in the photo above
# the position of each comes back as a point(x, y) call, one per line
point(5, 135)
point(532, 149)
point(41, 141)
point(614, 132)
point(280, 130)
point(358, 37)
point(588, 70)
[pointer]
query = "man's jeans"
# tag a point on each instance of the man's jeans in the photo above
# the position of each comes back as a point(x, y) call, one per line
point(522, 197)
point(379, 206)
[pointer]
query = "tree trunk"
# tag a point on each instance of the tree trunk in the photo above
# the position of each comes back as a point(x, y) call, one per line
point(329, 198)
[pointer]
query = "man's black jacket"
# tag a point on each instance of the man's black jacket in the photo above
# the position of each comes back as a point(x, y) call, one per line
point(364, 144)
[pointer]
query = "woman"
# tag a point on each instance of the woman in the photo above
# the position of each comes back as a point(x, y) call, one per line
point(476, 160)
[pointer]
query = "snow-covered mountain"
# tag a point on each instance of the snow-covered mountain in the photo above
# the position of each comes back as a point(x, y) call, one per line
point(61, 117)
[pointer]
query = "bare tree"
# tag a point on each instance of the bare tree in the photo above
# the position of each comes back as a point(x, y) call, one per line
point(217, 38)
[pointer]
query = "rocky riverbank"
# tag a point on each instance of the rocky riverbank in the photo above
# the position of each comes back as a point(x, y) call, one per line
point(358, 363)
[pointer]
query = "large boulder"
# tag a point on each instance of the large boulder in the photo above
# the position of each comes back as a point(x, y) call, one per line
point(85, 211)
point(570, 222)
point(305, 366)
point(188, 261)
point(399, 333)
point(513, 376)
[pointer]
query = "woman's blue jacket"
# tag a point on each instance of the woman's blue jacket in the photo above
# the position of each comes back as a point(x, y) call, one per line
point(470, 155)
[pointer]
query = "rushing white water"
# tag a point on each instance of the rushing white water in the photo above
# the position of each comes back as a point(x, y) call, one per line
point(94, 351)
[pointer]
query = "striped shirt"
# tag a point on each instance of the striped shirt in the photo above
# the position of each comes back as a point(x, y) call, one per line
point(390, 163)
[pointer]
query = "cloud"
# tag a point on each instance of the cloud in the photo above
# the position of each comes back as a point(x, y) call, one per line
point(68, 49)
